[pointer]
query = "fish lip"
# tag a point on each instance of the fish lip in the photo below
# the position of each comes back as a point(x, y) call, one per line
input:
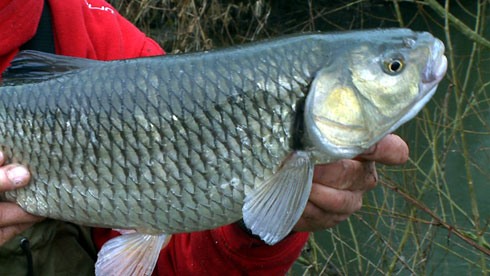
point(438, 72)
point(436, 65)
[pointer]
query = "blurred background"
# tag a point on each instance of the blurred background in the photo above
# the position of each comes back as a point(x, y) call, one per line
point(428, 217)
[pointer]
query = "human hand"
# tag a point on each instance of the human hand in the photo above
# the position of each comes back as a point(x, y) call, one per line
point(338, 187)
point(13, 219)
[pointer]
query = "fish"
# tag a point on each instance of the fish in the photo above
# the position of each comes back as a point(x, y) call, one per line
point(189, 142)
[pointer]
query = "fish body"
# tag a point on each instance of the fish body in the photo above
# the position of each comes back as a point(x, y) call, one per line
point(191, 142)
point(165, 144)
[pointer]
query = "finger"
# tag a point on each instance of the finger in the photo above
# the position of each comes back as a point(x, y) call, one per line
point(366, 177)
point(391, 150)
point(315, 219)
point(12, 177)
point(7, 233)
point(347, 174)
point(2, 158)
point(12, 214)
point(305, 225)
point(335, 201)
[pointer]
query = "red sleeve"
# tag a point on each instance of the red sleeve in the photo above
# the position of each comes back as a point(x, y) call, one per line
point(82, 28)
point(94, 29)
point(227, 248)
point(18, 24)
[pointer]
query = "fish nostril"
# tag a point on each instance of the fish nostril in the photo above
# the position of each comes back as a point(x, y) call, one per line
point(409, 42)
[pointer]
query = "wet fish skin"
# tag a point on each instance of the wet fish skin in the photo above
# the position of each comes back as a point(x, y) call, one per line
point(166, 144)
point(155, 144)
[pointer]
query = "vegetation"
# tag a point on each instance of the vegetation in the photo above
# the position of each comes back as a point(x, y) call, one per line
point(429, 217)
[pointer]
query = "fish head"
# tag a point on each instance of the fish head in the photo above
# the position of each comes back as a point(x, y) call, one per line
point(383, 79)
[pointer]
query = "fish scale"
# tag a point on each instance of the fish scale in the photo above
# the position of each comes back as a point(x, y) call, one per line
point(93, 128)
point(176, 144)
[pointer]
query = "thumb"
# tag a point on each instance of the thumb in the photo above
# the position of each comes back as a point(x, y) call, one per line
point(13, 176)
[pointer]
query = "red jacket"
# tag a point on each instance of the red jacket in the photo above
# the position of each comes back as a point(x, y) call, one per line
point(93, 29)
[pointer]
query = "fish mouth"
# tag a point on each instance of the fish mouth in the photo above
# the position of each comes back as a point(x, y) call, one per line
point(436, 66)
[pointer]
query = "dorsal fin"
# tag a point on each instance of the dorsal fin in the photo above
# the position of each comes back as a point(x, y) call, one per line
point(35, 66)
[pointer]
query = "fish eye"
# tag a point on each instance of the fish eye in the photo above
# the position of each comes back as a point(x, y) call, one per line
point(394, 65)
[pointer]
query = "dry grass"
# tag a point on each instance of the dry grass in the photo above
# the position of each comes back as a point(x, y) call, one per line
point(187, 25)
point(429, 217)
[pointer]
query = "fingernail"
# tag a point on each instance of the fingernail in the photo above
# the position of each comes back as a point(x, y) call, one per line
point(18, 175)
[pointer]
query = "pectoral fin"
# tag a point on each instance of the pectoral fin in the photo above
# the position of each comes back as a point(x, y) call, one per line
point(274, 207)
point(129, 254)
